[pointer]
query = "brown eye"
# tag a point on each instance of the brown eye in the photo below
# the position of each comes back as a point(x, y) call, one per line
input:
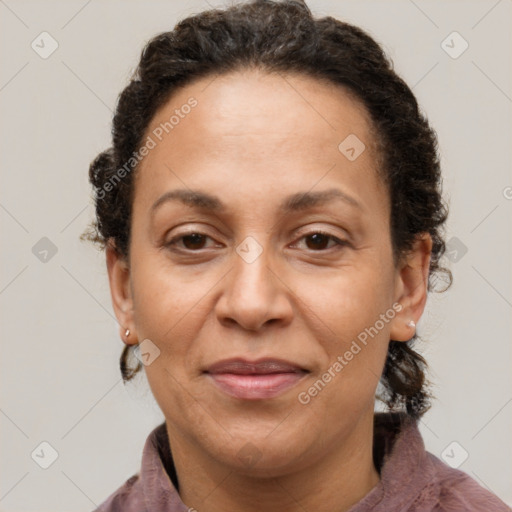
point(319, 241)
point(189, 241)
point(194, 241)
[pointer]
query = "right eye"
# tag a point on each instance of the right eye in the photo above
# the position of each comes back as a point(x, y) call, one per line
point(192, 241)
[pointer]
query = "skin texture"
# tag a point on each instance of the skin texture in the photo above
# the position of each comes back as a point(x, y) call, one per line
point(253, 139)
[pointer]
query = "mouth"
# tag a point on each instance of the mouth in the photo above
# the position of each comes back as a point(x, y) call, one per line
point(255, 380)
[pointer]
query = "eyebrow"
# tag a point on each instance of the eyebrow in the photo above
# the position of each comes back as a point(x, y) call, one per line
point(293, 203)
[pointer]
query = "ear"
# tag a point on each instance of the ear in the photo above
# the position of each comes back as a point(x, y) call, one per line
point(411, 287)
point(120, 291)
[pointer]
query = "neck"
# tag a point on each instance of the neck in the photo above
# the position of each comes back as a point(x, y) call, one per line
point(338, 480)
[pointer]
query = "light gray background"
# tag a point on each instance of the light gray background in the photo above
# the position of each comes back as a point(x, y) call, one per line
point(60, 381)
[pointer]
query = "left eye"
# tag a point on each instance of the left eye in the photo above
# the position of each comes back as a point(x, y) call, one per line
point(319, 240)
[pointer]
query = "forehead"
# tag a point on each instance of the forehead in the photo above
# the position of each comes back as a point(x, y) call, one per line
point(260, 129)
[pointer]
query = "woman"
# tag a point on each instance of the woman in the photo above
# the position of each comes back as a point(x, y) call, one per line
point(271, 212)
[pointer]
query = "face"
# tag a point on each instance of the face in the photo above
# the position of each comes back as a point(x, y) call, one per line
point(256, 238)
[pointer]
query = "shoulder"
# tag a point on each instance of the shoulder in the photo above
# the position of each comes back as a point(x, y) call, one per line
point(414, 479)
point(454, 490)
point(149, 487)
point(129, 497)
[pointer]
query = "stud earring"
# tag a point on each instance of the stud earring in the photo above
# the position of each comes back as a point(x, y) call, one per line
point(411, 323)
point(127, 333)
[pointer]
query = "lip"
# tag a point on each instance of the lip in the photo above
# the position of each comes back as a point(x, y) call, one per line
point(255, 380)
point(264, 366)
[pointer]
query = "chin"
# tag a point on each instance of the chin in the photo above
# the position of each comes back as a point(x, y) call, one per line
point(264, 455)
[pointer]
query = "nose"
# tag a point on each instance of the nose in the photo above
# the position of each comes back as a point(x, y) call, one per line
point(254, 293)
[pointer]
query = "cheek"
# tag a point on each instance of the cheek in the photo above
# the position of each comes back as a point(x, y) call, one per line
point(356, 308)
point(352, 298)
point(163, 299)
point(353, 358)
point(169, 312)
point(171, 308)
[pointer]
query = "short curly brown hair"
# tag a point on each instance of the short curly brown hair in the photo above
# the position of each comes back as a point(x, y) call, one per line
point(284, 36)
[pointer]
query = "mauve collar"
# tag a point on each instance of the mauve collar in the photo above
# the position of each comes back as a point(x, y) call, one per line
point(404, 465)
point(160, 494)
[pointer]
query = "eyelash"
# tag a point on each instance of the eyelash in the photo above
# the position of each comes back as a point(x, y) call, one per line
point(339, 243)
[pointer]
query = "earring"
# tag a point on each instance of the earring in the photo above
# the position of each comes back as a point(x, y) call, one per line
point(127, 333)
point(411, 323)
